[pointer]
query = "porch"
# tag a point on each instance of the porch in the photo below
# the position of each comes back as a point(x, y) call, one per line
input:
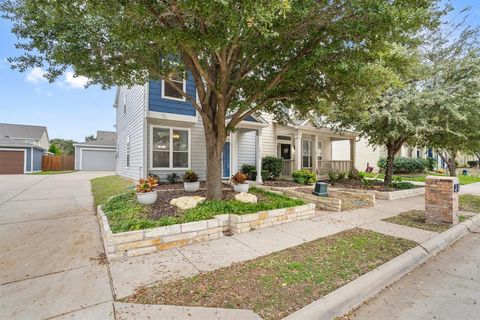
point(314, 149)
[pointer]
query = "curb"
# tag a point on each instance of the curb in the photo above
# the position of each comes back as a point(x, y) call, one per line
point(353, 294)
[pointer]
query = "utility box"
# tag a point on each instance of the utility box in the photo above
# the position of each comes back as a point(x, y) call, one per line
point(321, 189)
point(441, 199)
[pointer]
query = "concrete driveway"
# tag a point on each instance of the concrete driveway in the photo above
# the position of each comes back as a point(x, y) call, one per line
point(50, 242)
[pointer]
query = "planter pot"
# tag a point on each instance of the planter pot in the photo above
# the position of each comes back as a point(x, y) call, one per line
point(147, 197)
point(191, 186)
point(241, 187)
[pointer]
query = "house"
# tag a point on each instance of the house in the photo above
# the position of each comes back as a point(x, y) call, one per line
point(97, 155)
point(159, 132)
point(22, 148)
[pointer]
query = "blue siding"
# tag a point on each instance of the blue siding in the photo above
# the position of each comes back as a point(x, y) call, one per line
point(37, 159)
point(159, 104)
point(29, 159)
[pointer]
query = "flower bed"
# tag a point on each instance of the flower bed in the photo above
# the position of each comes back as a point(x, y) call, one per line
point(127, 229)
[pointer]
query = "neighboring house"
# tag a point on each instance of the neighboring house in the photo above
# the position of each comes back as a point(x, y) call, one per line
point(97, 155)
point(22, 148)
point(159, 132)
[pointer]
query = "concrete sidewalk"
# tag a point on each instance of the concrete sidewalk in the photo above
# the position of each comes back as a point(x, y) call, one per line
point(50, 245)
point(447, 287)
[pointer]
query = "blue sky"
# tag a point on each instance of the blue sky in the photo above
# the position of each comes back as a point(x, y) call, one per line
point(65, 107)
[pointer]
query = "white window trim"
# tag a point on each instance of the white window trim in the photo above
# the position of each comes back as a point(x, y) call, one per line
point(170, 160)
point(184, 88)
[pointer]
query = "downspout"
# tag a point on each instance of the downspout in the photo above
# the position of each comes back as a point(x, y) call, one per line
point(145, 130)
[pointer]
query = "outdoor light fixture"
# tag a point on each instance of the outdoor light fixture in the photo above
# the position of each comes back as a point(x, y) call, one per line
point(321, 189)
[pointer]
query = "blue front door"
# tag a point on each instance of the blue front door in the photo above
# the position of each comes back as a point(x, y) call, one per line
point(226, 160)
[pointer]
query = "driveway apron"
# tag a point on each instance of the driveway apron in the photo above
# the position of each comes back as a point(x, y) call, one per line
point(51, 244)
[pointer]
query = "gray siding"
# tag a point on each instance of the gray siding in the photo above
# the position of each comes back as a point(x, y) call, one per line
point(246, 152)
point(197, 149)
point(37, 159)
point(131, 124)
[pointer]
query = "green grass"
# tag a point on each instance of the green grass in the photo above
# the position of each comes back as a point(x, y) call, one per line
point(105, 187)
point(53, 172)
point(421, 177)
point(469, 202)
point(416, 219)
point(126, 214)
point(278, 284)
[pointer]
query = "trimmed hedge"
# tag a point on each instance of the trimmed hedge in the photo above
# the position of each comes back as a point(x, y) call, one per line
point(405, 165)
point(273, 165)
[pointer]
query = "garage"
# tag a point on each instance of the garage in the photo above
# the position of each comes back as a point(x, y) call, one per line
point(12, 161)
point(98, 160)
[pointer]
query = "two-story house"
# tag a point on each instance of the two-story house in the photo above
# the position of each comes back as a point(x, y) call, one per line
point(22, 148)
point(159, 132)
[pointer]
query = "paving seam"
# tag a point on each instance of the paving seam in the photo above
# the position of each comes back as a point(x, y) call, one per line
point(193, 264)
point(47, 219)
point(16, 195)
point(251, 248)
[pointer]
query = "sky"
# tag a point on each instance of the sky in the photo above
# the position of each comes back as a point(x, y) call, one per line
point(68, 109)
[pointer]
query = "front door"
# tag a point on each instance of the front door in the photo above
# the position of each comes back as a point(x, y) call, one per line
point(286, 151)
point(226, 160)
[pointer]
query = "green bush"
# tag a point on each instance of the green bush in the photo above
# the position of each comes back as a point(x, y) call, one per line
point(431, 164)
point(304, 176)
point(264, 175)
point(249, 169)
point(405, 165)
point(472, 164)
point(273, 165)
point(173, 177)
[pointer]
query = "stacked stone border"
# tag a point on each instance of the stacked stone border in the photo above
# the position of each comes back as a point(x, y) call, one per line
point(387, 195)
point(324, 203)
point(139, 242)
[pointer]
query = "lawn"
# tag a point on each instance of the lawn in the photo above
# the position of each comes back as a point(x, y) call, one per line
point(53, 172)
point(421, 177)
point(469, 202)
point(105, 187)
point(416, 219)
point(126, 214)
point(278, 284)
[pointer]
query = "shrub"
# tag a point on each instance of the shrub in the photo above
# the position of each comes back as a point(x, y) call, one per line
point(273, 165)
point(304, 176)
point(431, 164)
point(264, 175)
point(341, 176)
point(190, 176)
point(146, 185)
point(402, 185)
point(472, 163)
point(239, 178)
point(405, 165)
point(173, 177)
point(332, 175)
point(353, 174)
point(249, 170)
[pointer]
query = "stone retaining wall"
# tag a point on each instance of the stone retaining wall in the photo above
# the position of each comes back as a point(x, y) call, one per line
point(387, 195)
point(134, 243)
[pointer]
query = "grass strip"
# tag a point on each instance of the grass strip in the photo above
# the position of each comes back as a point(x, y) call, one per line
point(106, 187)
point(416, 219)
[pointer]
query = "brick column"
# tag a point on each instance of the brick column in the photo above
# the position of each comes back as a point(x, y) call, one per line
point(441, 202)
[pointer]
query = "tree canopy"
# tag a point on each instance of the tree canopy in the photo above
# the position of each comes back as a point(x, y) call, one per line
point(65, 145)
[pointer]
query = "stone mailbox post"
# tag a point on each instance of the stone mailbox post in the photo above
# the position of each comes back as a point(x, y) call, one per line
point(441, 200)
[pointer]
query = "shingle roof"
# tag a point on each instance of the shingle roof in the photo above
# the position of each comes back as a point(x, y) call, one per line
point(104, 138)
point(9, 130)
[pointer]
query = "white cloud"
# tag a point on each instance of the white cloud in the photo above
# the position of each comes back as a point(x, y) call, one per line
point(75, 82)
point(36, 75)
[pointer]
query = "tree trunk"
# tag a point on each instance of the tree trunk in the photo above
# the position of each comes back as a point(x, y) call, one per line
point(452, 166)
point(214, 141)
point(389, 165)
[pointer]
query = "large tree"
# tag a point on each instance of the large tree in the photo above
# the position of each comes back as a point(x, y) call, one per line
point(65, 145)
point(244, 56)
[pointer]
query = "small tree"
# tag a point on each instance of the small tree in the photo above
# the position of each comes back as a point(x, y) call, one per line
point(54, 149)
point(66, 146)
point(90, 138)
point(244, 56)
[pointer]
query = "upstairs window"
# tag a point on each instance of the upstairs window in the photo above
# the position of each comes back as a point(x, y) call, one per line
point(169, 92)
point(170, 148)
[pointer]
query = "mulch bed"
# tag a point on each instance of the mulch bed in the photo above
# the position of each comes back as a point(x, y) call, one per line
point(177, 185)
point(350, 201)
point(163, 208)
point(416, 219)
point(282, 183)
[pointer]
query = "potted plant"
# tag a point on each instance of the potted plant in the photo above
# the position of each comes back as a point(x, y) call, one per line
point(190, 181)
point(146, 193)
point(239, 184)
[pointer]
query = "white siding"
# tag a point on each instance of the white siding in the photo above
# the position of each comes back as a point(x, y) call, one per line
point(341, 150)
point(366, 154)
point(131, 124)
point(246, 142)
point(269, 137)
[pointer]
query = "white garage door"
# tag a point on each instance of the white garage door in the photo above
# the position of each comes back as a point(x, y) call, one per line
point(98, 160)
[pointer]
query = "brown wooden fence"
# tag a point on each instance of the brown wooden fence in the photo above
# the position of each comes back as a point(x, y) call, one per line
point(58, 163)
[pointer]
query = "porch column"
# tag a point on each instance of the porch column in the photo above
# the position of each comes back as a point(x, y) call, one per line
point(315, 154)
point(233, 152)
point(353, 151)
point(298, 150)
point(258, 155)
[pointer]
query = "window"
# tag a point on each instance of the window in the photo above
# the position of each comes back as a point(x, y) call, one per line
point(169, 92)
point(170, 148)
point(124, 103)
point(128, 151)
point(306, 153)
point(319, 150)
